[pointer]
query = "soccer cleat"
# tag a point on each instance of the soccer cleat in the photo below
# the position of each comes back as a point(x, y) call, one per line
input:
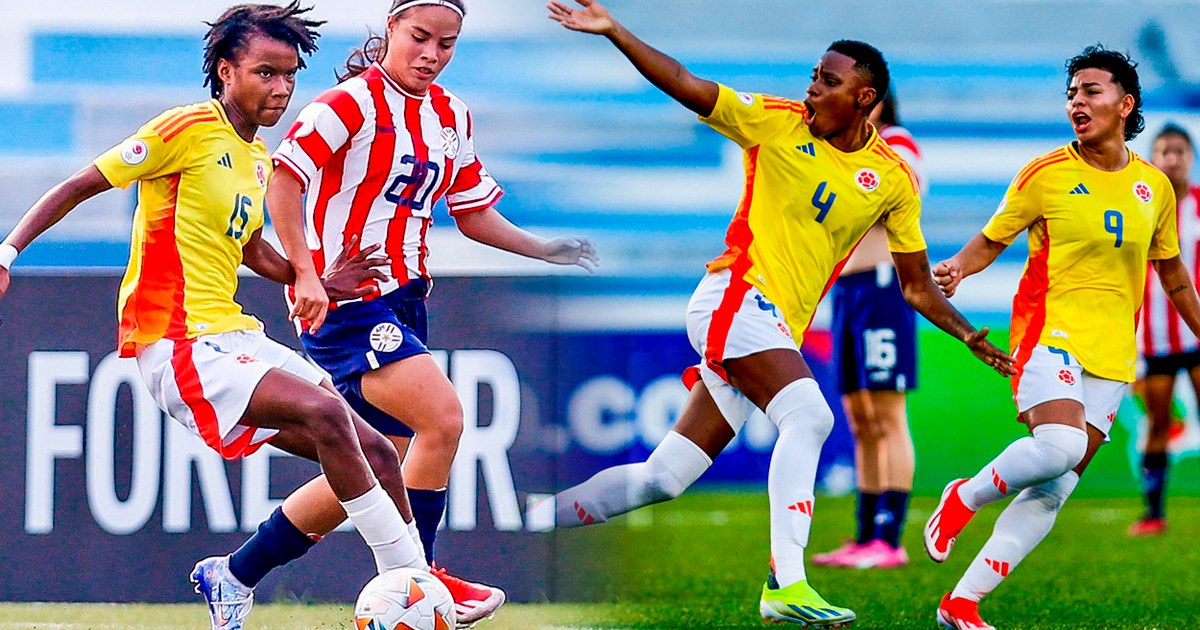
point(228, 600)
point(472, 601)
point(799, 603)
point(844, 556)
point(877, 554)
point(946, 523)
point(960, 613)
point(1149, 527)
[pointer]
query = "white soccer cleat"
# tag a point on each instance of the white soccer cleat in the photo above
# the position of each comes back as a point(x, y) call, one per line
point(228, 600)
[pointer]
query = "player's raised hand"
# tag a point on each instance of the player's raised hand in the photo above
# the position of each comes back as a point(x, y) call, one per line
point(572, 250)
point(1000, 361)
point(593, 18)
point(346, 277)
point(948, 274)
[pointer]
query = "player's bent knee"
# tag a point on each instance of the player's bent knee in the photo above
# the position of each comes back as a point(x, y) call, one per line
point(801, 404)
point(1063, 446)
point(328, 419)
point(673, 467)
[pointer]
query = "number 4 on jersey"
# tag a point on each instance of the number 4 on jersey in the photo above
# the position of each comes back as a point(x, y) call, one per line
point(823, 205)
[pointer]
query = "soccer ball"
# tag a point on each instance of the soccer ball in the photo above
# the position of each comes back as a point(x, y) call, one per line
point(404, 599)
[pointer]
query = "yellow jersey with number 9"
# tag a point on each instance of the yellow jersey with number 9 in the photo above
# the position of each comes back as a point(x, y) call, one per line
point(200, 200)
point(806, 204)
point(1091, 233)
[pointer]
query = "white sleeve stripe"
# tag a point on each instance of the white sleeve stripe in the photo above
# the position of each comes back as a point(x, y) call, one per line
point(295, 168)
point(490, 198)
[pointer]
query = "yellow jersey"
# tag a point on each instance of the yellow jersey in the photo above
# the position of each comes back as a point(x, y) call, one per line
point(806, 204)
point(1091, 233)
point(200, 199)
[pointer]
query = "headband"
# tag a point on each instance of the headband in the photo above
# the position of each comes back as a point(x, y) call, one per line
point(436, 3)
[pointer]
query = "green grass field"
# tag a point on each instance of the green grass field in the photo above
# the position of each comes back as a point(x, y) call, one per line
point(699, 562)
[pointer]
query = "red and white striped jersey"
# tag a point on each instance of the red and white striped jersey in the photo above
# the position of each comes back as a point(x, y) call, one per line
point(374, 160)
point(902, 142)
point(1163, 331)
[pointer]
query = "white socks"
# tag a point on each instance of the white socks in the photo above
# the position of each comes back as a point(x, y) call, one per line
point(804, 420)
point(1053, 450)
point(674, 465)
point(1018, 530)
point(415, 534)
point(375, 516)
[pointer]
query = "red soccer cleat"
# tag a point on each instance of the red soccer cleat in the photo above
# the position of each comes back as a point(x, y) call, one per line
point(948, 520)
point(1149, 527)
point(472, 601)
point(960, 614)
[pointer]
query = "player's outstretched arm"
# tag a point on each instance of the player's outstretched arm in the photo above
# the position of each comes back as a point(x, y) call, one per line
point(975, 256)
point(1177, 284)
point(50, 209)
point(927, 298)
point(285, 202)
point(668, 75)
point(492, 228)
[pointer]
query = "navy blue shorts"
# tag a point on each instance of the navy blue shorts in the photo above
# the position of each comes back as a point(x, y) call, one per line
point(874, 333)
point(363, 336)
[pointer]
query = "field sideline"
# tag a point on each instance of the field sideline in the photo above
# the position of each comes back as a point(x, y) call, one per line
point(698, 563)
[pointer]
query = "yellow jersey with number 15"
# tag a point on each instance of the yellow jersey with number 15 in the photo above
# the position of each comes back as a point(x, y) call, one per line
point(200, 200)
point(806, 204)
point(1091, 233)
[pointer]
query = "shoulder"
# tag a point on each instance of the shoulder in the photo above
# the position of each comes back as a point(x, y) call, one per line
point(898, 137)
point(439, 92)
point(895, 166)
point(1043, 165)
point(188, 121)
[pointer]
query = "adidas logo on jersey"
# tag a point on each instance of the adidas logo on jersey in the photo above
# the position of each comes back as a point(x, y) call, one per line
point(226, 161)
point(808, 149)
point(1080, 190)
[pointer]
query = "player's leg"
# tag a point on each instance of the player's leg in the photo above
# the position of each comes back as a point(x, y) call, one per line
point(699, 435)
point(1158, 390)
point(1030, 517)
point(899, 461)
point(869, 465)
point(417, 393)
point(1050, 400)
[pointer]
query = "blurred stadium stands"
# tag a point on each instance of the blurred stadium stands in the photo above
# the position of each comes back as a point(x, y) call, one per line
point(584, 145)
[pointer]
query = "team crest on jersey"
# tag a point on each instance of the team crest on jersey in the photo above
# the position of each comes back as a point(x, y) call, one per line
point(1000, 208)
point(135, 152)
point(1067, 377)
point(746, 98)
point(450, 143)
point(867, 179)
point(1143, 191)
point(386, 337)
point(260, 173)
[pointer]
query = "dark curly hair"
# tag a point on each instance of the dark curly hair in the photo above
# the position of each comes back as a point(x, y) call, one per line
point(868, 62)
point(1124, 73)
point(238, 24)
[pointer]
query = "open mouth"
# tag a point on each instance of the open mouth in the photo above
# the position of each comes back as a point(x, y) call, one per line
point(809, 114)
point(1080, 120)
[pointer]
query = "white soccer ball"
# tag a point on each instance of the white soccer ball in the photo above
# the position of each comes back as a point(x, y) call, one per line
point(404, 599)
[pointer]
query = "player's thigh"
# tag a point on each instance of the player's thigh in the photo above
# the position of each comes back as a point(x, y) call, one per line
point(287, 402)
point(702, 422)
point(891, 412)
point(1096, 439)
point(1049, 389)
point(860, 413)
point(761, 375)
point(417, 392)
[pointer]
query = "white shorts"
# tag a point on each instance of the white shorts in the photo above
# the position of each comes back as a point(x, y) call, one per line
point(1053, 374)
point(729, 319)
point(206, 383)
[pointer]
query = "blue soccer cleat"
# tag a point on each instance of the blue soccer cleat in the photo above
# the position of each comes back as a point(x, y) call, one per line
point(228, 600)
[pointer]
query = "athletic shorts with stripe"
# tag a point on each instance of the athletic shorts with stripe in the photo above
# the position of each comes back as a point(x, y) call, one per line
point(362, 336)
point(1048, 374)
point(206, 383)
point(729, 319)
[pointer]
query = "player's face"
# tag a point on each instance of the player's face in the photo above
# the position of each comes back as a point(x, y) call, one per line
point(1097, 106)
point(837, 95)
point(260, 81)
point(1173, 156)
point(421, 42)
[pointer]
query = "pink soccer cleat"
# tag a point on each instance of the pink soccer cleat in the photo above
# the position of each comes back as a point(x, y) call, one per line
point(1149, 527)
point(960, 614)
point(877, 554)
point(946, 523)
point(843, 556)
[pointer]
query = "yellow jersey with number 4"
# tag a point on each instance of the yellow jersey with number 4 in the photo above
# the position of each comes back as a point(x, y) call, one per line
point(806, 204)
point(200, 199)
point(1091, 233)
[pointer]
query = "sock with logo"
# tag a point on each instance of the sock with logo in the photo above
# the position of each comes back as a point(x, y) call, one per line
point(276, 543)
point(889, 520)
point(1049, 454)
point(1154, 483)
point(868, 506)
point(1021, 526)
